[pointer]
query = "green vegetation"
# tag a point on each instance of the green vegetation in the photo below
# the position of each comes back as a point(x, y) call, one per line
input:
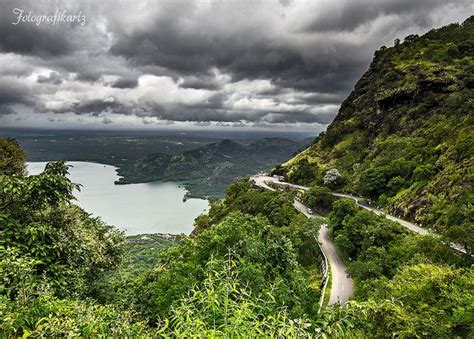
point(48, 316)
point(404, 137)
point(433, 284)
point(59, 265)
point(144, 249)
point(276, 251)
point(249, 268)
point(47, 242)
point(319, 199)
point(12, 158)
point(208, 170)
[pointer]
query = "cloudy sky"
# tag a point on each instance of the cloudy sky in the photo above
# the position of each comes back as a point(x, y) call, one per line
point(152, 64)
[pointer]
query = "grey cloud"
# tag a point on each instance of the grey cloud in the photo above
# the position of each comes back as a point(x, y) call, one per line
point(305, 50)
point(203, 82)
point(330, 65)
point(125, 83)
point(349, 15)
point(93, 107)
point(13, 92)
point(28, 38)
point(53, 78)
point(6, 109)
point(31, 40)
point(285, 2)
point(96, 107)
point(217, 100)
point(182, 113)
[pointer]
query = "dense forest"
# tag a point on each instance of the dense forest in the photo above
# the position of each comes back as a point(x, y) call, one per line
point(404, 137)
point(251, 267)
point(206, 171)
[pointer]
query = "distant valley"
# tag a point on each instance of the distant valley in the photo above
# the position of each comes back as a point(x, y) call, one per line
point(206, 171)
point(205, 162)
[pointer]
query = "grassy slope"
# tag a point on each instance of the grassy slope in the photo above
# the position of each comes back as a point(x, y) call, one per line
point(404, 136)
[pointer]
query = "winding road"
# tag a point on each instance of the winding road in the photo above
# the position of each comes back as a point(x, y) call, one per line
point(361, 202)
point(342, 285)
point(263, 180)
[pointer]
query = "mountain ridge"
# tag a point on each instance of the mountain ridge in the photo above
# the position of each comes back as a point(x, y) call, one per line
point(207, 170)
point(403, 138)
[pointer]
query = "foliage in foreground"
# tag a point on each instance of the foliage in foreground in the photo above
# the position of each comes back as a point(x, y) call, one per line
point(269, 261)
point(218, 307)
point(433, 283)
point(46, 240)
point(248, 269)
point(48, 316)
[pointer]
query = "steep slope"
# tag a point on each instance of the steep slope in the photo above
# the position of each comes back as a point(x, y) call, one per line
point(404, 137)
point(207, 170)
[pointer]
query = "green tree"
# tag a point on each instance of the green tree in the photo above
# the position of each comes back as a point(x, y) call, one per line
point(63, 246)
point(462, 234)
point(437, 300)
point(222, 307)
point(12, 158)
point(341, 209)
point(304, 173)
point(319, 198)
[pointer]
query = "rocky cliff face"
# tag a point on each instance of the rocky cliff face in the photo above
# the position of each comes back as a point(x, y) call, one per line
point(405, 137)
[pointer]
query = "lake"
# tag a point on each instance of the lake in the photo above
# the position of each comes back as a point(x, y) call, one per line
point(155, 207)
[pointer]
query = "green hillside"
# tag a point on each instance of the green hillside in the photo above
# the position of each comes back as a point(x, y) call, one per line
point(404, 137)
point(252, 267)
point(208, 170)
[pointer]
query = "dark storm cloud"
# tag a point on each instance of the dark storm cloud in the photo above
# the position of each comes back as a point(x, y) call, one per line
point(65, 47)
point(203, 82)
point(32, 40)
point(189, 53)
point(125, 83)
point(353, 14)
point(5, 110)
point(268, 61)
point(13, 92)
point(216, 100)
point(95, 107)
point(331, 64)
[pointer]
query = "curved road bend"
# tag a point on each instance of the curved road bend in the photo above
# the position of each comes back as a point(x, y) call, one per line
point(361, 202)
point(342, 285)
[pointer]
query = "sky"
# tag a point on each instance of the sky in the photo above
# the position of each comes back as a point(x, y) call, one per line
point(267, 64)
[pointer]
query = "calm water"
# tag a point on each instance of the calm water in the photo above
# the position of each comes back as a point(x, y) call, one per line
point(137, 208)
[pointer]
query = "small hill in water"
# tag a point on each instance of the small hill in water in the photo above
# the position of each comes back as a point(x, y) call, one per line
point(404, 137)
point(208, 170)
